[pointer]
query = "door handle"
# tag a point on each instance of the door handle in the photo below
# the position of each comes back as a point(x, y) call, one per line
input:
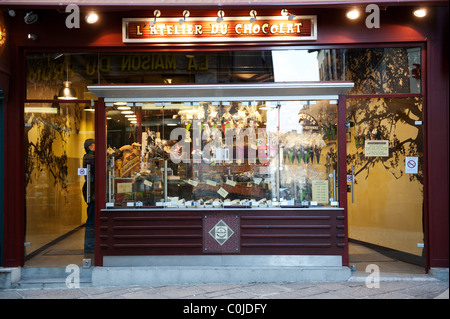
point(353, 184)
point(88, 184)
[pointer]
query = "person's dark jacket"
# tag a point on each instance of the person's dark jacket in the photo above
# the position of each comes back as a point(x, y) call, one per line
point(89, 158)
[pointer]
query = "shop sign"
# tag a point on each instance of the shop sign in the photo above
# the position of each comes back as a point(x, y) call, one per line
point(308, 121)
point(169, 30)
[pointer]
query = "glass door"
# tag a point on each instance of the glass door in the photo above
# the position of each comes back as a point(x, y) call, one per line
point(55, 208)
point(385, 178)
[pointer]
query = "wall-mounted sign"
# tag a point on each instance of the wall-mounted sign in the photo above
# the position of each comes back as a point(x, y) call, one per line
point(411, 165)
point(374, 148)
point(169, 30)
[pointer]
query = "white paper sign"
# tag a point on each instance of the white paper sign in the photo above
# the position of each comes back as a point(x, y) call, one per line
point(192, 182)
point(211, 183)
point(222, 192)
point(124, 187)
point(148, 183)
point(411, 165)
point(375, 148)
point(82, 171)
point(230, 182)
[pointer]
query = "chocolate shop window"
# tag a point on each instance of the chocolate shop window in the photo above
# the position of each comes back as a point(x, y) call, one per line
point(248, 154)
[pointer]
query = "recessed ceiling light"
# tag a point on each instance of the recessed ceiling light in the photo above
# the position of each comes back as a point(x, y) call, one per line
point(91, 17)
point(352, 14)
point(420, 13)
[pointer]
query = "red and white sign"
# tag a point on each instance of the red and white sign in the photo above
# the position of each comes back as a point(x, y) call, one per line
point(411, 165)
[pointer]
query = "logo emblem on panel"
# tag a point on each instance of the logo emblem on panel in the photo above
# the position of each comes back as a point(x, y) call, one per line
point(221, 232)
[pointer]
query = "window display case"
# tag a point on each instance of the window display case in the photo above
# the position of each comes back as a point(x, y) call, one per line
point(224, 154)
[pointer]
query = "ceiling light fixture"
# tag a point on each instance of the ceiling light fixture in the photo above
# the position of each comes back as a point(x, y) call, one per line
point(30, 17)
point(352, 14)
point(420, 13)
point(32, 36)
point(89, 108)
point(285, 13)
point(253, 16)
point(67, 92)
point(157, 14)
point(220, 15)
point(91, 17)
point(186, 14)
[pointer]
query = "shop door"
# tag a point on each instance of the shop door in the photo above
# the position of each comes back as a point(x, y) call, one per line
point(55, 209)
point(385, 183)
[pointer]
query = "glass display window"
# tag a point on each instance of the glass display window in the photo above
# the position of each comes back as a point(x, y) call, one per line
point(207, 154)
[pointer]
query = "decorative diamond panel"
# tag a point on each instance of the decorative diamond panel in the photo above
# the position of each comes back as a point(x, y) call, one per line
point(221, 234)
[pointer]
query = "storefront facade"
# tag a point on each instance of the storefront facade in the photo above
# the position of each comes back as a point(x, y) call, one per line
point(251, 132)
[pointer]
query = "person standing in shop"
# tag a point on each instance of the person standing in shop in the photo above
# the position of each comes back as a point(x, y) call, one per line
point(89, 159)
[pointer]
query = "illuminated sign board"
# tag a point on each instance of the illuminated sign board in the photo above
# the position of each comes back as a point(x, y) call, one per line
point(169, 30)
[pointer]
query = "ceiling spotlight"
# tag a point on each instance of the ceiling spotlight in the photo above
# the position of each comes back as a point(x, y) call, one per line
point(220, 15)
point(32, 36)
point(352, 14)
point(157, 14)
point(186, 14)
point(420, 13)
point(285, 13)
point(30, 17)
point(91, 17)
point(12, 13)
point(253, 16)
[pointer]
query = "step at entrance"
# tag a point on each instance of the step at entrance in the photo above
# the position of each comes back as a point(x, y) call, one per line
point(54, 277)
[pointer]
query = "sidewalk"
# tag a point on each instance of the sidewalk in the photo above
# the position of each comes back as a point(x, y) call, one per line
point(355, 288)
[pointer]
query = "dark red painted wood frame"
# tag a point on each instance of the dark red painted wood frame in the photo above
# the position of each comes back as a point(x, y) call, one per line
point(112, 225)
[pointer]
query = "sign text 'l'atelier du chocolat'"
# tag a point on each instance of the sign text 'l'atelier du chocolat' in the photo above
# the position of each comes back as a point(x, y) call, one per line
point(207, 29)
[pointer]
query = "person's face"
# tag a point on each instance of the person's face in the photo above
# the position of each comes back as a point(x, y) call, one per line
point(92, 147)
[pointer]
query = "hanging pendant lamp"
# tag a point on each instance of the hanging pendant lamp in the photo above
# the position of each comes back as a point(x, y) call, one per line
point(67, 92)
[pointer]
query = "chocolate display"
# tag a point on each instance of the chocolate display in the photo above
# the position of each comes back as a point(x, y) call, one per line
point(224, 154)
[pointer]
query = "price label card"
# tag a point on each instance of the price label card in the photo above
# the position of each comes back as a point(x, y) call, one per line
point(148, 183)
point(230, 182)
point(211, 183)
point(222, 192)
point(193, 183)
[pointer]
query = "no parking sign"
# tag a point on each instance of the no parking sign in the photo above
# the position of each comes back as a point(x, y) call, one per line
point(411, 165)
